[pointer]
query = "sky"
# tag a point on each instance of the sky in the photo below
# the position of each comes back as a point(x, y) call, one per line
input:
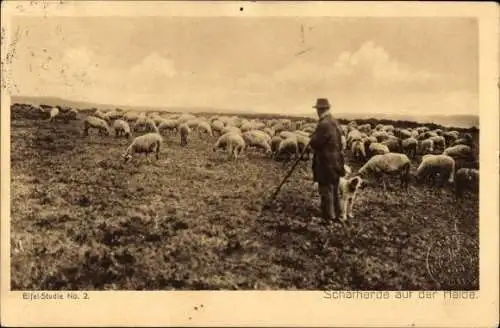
point(274, 64)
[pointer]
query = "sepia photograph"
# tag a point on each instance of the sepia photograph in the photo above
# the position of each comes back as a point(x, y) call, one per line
point(242, 152)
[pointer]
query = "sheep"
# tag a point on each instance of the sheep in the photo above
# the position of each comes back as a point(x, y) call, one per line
point(348, 189)
point(96, 123)
point(466, 178)
point(217, 126)
point(54, 111)
point(287, 148)
point(130, 116)
point(184, 132)
point(426, 146)
point(439, 142)
point(394, 144)
point(358, 150)
point(366, 128)
point(231, 129)
point(466, 140)
point(389, 164)
point(434, 165)
point(121, 128)
point(380, 135)
point(343, 142)
point(113, 115)
point(204, 127)
point(375, 148)
point(459, 152)
point(169, 125)
point(269, 131)
point(303, 144)
point(403, 133)
point(232, 142)
point(352, 136)
point(257, 139)
point(101, 115)
point(146, 144)
point(275, 144)
point(409, 147)
point(145, 124)
point(450, 137)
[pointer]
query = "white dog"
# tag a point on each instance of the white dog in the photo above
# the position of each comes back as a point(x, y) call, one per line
point(348, 190)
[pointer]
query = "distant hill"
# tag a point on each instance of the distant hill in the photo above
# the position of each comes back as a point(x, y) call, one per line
point(459, 121)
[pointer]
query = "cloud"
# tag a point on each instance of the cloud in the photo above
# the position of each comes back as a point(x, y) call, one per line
point(155, 64)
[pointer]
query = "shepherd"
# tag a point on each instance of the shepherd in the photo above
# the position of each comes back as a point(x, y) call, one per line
point(328, 160)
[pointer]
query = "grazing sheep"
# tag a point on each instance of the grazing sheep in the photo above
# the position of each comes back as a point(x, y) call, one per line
point(348, 190)
point(439, 142)
point(184, 132)
point(352, 136)
point(409, 147)
point(366, 128)
point(101, 115)
point(275, 144)
point(394, 144)
point(302, 143)
point(204, 127)
point(228, 129)
point(459, 152)
point(466, 140)
point(146, 144)
point(257, 139)
point(389, 164)
point(145, 124)
point(232, 142)
point(466, 179)
point(426, 146)
point(217, 126)
point(169, 125)
point(96, 123)
point(287, 148)
point(380, 135)
point(450, 137)
point(343, 142)
point(121, 128)
point(375, 148)
point(433, 166)
point(286, 134)
point(130, 116)
point(358, 150)
point(54, 111)
point(270, 132)
point(403, 133)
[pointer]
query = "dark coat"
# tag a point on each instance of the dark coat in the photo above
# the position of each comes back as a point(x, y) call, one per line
point(328, 160)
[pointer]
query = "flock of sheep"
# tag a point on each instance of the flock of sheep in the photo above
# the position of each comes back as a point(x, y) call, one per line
point(382, 150)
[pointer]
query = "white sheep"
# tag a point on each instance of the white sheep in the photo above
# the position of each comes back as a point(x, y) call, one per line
point(204, 127)
point(388, 164)
point(466, 178)
point(459, 152)
point(217, 126)
point(409, 147)
point(146, 124)
point(257, 139)
point(96, 123)
point(426, 146)
point(286, 134)
point(288, 147)
point(303, 142)
point(232, 142)
point(54, 111)
point(375, 148)
point(228, 129)
point(184, 132)
point(439, 142)
point(433, 166)
point(358, 150)
point(130, 116)
point(101, 115)
point(352, 136)
point(121, 128)
point(168, 125)
point(275, 144)
point(393, 144)
point(146, 144)
point(270, 132)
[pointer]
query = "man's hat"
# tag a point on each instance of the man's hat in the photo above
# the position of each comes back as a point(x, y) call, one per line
point(322, 103)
